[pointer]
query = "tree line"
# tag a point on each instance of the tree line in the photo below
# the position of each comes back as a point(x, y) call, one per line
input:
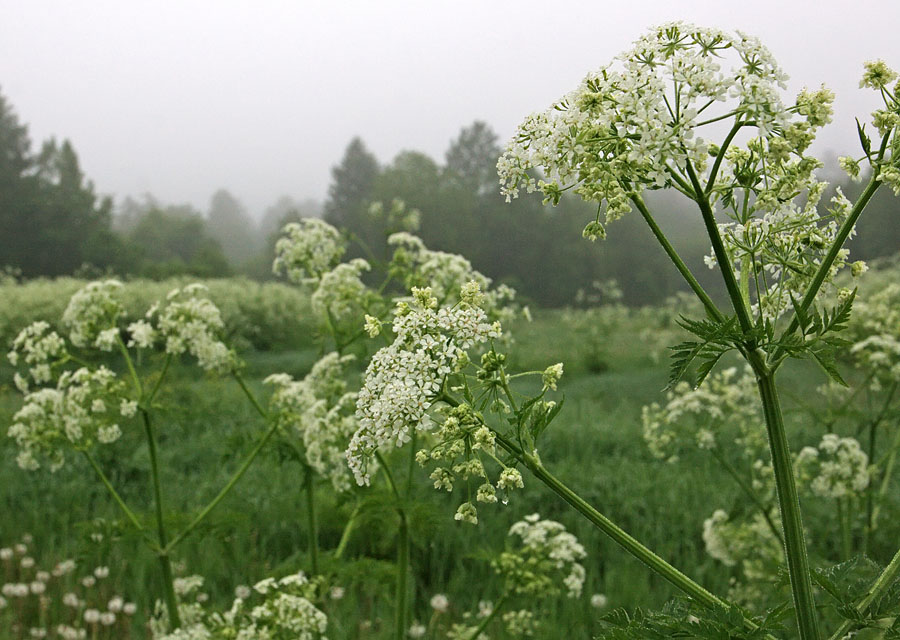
point(53, 222)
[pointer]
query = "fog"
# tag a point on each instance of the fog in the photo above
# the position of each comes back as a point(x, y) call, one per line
point(180, 99)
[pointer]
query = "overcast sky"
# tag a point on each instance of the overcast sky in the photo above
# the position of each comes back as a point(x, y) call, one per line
point(180, 98)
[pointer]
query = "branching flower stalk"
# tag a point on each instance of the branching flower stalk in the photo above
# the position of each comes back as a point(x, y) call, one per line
point(82, 409)
point(635, 125)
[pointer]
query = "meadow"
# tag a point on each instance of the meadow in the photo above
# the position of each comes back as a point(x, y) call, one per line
point(616, 362)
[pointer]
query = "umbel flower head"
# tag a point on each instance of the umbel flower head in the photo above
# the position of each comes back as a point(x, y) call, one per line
point(92, 315)
point(319, 410)
point(450, 276)
point(404, 379)
point(309, 249)
point(189, 322)
point(545, 563)
point(628, 124)
point(276, 609)
point(838, 468)
point(84, 408)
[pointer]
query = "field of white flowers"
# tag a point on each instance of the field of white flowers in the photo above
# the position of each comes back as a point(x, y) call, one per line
point(400, 450)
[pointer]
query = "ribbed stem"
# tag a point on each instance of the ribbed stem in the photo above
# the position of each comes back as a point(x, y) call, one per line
point(789, 505)
point(400, 593)
point(163, 554)
point(725, 267)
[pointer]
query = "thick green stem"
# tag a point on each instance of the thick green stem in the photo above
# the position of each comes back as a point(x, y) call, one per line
point(311, 519)
point(789, 504)
point(400, 594)
point(164, 560)
point(619, 535)
point(725, 267)
point(607, 526)
point(875, 592)
point(695, 286)
point(225, 490)
point(487, 619)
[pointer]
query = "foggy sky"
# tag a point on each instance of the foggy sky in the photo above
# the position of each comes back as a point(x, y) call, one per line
point(181, 98)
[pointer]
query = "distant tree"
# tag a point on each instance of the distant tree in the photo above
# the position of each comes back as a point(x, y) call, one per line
point(284, 210)
point(51, 220)
point(351, 186)
point(19, 190)
point(230, 225)
point(472, 158)
point(173, 241)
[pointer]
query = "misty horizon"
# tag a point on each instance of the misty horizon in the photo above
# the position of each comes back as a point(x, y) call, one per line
point(263, 100)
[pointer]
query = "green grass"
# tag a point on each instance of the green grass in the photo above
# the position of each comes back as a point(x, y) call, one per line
point(206, 425)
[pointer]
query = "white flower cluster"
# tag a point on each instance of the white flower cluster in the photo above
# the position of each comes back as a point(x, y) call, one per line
point(725, 402)
point(189, 322)
point(448, 274)
point(341, 295)
point(838, 468)
point(309, 249)
point(627, 125)
point(285, 611)
point(750, 543)
point(38, 347)
point(92, 315)
point(320, 410)
point(876, 334)
point(404, 379)
point(548, 552)
point(83, 409)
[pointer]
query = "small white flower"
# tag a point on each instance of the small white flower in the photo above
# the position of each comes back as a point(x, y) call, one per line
point(440, 603)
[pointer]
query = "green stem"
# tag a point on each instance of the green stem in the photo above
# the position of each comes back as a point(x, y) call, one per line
point(159, 380)
point(695, 286)
point(400, 594)
point(875, 592)
point(115, 494)
point(789, 504)
point(621, 537)
point(487, 619)
point(163, 554)
point(348, 529)
point(313, 525)
point(719, 157)
point(607, 526)
point(825, 267)
point(844, 519)
point(886, 478)
point(712, 230)
point(134, 376)
point(225, 490)
point(252, 398)
point(748, 491)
